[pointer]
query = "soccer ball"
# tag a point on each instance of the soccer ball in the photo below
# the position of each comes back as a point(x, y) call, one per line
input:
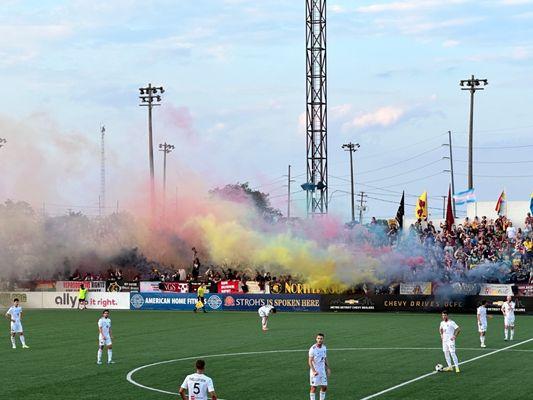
point(439, 367)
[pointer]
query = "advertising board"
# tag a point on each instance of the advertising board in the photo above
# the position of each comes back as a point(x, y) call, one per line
point(492, 289)
point(172, 301)
point(121, 286)
point(416, 288)
point(232, 286)
point(74, 286)
point(161, 287)
point(96, 300)
point(455, 304)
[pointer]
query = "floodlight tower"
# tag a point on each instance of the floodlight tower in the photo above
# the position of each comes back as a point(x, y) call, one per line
point(150, 96)
point(316, 109)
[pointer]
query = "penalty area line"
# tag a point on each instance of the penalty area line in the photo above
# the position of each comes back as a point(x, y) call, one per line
point(435, 372)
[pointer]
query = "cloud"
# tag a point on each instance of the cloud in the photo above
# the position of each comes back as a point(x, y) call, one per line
point(450, 43)
point(408, 5)
point(336, 9)
point(382, 117)
point(515, 2)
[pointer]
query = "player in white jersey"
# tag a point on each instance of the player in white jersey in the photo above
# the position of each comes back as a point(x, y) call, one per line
point(318, 368)
point(198, 386)
point(105, 337)
point(508, 308)
point(264, 313)
point(449, 331)
point(482, 322)
point(14, 315)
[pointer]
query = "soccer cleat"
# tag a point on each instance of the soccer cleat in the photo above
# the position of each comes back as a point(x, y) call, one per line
point(99, 362)
point(13, 347)
point(483, 345)
point(447, 369)
point(457, 370)
point(110, 362)
point(25, 347)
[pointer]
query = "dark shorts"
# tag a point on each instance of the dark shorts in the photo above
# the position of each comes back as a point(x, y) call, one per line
point(83, 300)
point(202, 299)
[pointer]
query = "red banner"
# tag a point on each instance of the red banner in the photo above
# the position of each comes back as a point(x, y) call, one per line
point(228, 286)
point(525, 290)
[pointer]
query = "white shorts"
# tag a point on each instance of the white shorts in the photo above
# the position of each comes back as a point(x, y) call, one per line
point(482, 326)
point(318, 380)
point(16, 327)
point(448, 345)
point(106, 342)
point(263, 315)
point(509, 320)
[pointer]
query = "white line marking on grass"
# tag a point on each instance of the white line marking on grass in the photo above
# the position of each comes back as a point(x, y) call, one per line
point(435, 372)
point(129, 376)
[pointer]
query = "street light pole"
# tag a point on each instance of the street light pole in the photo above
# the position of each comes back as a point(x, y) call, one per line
point(165, 148)
point(150, 97)
point(352, 148)
point(472, 85)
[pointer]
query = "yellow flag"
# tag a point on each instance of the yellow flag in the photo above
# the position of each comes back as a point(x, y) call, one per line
point(421, 210)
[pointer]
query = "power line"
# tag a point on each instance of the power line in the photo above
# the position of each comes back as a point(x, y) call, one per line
point(501, 176)
point(402, 161)
point(414, 180)
point(404, 173)
point(497, 162)
point(498, 147)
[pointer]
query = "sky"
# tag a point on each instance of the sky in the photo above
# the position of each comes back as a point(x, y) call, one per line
point(234, 101)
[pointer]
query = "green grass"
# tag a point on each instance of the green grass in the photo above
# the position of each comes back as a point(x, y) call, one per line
point(61, 361)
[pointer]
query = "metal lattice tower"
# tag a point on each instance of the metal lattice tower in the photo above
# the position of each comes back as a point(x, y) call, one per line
point(317, 139)
point(102, 173)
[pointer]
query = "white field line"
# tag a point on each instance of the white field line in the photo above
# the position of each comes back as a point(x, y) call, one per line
point(435, 372)
point(129, 376)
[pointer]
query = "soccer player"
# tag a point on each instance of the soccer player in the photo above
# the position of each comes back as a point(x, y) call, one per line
point(82, 298)
point(264, 313)
point(104, 338)
point(449, 331)
point(198, 386)
point(318, 368)
point(14, 314)
point(482, 322)
point(508, 308)
point(201, 298)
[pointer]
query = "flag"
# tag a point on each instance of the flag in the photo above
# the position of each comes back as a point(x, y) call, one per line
point(468, 196)
point(421, 210)
point(401, 211)
point(500, 204)
point(531, 204)
point(449, 211)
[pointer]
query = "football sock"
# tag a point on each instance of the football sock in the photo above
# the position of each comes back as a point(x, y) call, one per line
point(22, 340)
point(99, 355)
point(13, 341)
point(109, 355)
point(512, 333)
point(482, 338)
point(455, 360)
point(448, 359)
point(322, 395)
point(506, 334)
point(312, 396)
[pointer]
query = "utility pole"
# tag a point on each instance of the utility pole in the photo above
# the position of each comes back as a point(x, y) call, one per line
point(362, 206)
point(101, 199)
point(352, 148)
point(165, 148)
point(451, 168)
point(150, 97)
point(444, 206)
point(289, 180)
point(472, 85)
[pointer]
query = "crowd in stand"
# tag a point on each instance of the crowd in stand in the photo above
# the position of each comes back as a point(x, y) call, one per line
point(478, 250)
point(482, 249)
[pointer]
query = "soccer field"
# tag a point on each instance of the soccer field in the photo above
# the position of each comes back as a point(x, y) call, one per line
point(368, 353)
